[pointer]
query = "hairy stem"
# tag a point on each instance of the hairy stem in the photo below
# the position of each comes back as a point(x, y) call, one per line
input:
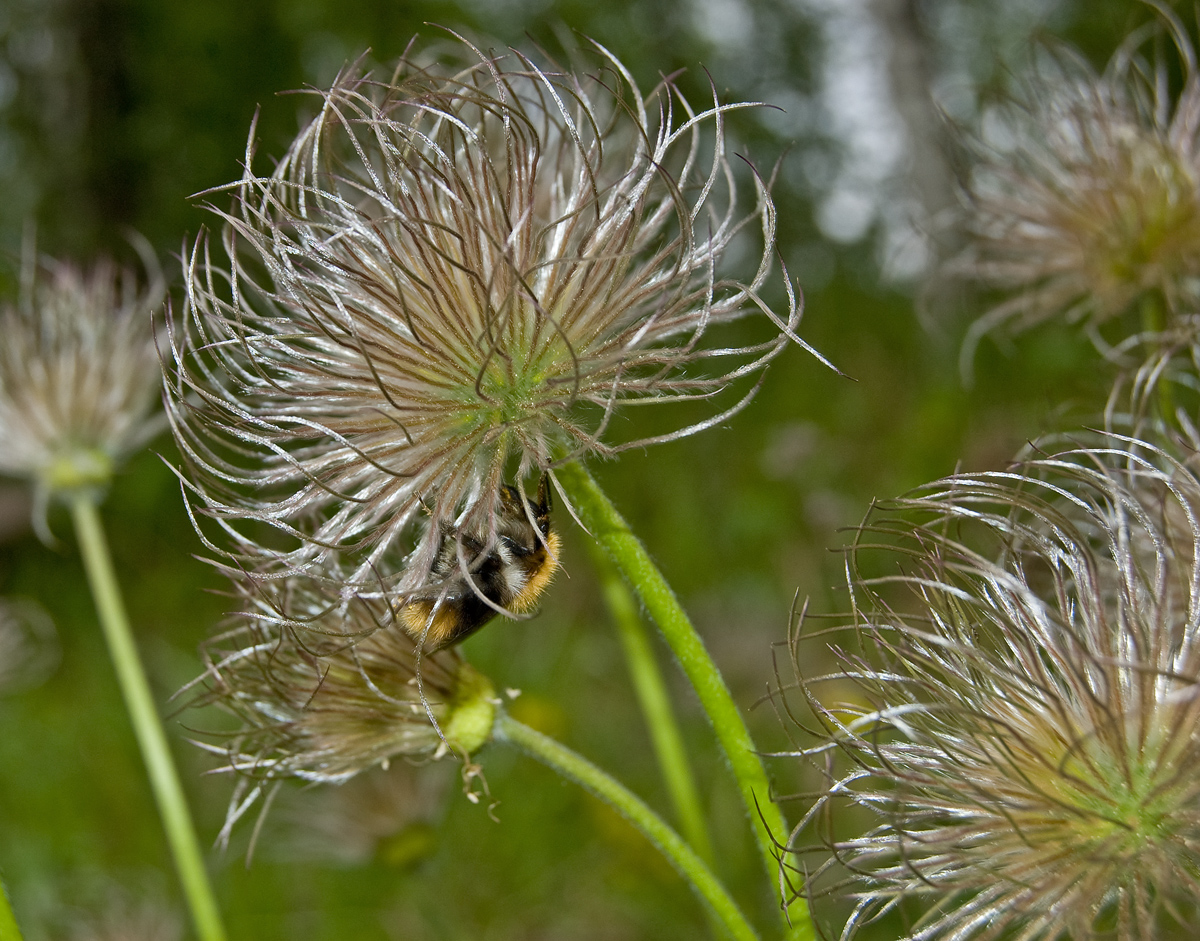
point(660, 719)
point(604, 786)
point(164, 780)
point(618, 542)
point(8, 921)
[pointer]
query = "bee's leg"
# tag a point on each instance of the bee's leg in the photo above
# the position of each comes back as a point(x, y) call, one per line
point(541, 509)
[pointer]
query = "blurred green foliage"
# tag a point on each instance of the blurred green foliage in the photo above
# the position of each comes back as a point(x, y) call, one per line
point(160, 96)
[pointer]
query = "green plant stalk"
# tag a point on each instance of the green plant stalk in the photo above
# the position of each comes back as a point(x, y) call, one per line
point(1153, 322)
point(8, 921)
point(618, 542)
point(164, 780)
point(678, 853)
point(660, 719)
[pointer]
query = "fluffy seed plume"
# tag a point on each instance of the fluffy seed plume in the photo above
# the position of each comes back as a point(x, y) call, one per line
point(324, 688)
point(1160, 397)
point(455, 274)
point(1088, 200)
point(1018, 706)
point(79, 373)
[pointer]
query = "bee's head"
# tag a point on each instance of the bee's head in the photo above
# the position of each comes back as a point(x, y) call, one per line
point(515, 527)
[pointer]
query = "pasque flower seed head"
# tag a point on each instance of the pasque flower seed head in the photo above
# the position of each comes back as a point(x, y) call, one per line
point(79, 373)
point(325, 687)
point(1087, 198)
point(458, 274)
point(1018, 705)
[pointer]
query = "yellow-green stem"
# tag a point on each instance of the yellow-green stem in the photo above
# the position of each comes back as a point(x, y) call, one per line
point(8, 921)
point(164, 781)
point(678, 853)
point(610, 530)
point(652, 696)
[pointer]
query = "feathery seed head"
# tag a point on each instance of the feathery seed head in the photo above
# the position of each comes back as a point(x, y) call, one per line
point(1092, 200)
point(79, 372)
point(455, 275)
point(1019, 704)
point(325, 688)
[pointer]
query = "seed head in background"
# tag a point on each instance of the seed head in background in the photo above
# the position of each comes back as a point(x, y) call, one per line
point(324, 688)
point(1018, 705)
point(124, 919)
point(457, 274)
point(1085, 203)
point(79, 376)
point(29, 648)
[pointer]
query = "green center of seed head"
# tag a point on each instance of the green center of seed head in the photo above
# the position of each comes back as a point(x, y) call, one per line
point(1155, 215)
point(1126, 812)
point(472, 713)
point(509, 389)
point(77, 469)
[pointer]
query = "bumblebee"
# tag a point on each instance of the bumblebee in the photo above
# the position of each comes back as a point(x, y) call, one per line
point(511, 575)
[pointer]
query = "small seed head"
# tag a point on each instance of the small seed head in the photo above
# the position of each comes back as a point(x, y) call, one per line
point(1090, 201)
point(79, 373)
point(324, 687)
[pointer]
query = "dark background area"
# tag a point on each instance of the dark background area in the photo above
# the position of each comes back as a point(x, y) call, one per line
point(114, 114)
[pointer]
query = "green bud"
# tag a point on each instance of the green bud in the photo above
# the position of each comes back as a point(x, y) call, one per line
point(77, 469)
point(472, 712)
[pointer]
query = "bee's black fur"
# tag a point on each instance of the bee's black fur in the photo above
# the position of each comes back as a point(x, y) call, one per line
point(455, 604)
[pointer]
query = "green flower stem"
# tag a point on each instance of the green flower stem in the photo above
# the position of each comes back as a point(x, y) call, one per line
point(681, 856)
point(610, 530)
point(656, 707)
point(8, 921)
point(164, 781)
point(1154, 322)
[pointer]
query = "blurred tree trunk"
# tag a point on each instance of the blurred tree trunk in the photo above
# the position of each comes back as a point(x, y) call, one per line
point(910, 70)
